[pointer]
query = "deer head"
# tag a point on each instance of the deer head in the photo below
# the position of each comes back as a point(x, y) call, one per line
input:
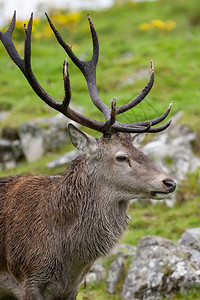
point(114, 148)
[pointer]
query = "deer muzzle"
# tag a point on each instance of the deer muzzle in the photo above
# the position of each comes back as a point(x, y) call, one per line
point(170, 185)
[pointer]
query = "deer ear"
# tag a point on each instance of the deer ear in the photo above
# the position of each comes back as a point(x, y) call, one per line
point(138, 138)
point(81, 140)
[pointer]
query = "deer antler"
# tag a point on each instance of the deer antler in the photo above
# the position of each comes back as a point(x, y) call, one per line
point(88, 69)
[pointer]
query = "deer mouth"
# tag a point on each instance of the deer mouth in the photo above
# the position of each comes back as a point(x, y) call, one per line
point(159, 195)
point(169, 186)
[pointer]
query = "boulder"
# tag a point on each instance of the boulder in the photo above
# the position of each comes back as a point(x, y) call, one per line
point(115, 275)
point(175, 144)
point(64, 159)
point(160, 268)
point(191, 238)
point(10, 152)
point(32, 141)
point(172, 150)
point(123, 250)
point(44, 135)
point(97, 273)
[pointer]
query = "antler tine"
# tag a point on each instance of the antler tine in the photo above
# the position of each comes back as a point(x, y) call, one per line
point(10, 47)
point(154, 121)
point(66, 47)
point(88, 68)
point(29, 73)
point(130, 129)
point(24, 64)
point(160, 128)
point(95, 41)
point(140, 129)
point(162, 117)
point(143, 126)
point(141, 96)
point(67, 86)
point(107, 127)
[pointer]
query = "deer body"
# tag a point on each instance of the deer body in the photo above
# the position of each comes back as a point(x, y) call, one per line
point(46, 241)
point(59, 228)
point(53, 228)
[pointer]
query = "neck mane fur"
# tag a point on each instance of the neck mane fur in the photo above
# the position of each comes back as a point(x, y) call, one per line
point(98, 223)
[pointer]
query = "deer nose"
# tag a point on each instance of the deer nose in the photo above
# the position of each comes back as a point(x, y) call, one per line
point(170, 185)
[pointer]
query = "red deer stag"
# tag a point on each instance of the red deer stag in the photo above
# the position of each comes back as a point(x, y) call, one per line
point(53, 228)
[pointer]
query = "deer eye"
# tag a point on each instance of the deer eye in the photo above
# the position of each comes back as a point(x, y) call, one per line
point(122, 158)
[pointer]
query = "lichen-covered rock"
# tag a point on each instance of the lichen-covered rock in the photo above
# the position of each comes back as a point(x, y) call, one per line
point(96, 274)
point(123, 250)
point(160, 268)
point(175, 143)
point(64, 159)
point(32, 141)
point(10, 151)
point(191, 238)
point(44, 135)
point(115, 274)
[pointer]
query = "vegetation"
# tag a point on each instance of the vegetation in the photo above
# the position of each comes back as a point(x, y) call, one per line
point(130, 34)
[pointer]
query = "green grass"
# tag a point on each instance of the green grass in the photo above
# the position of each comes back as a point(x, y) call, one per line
point(176, 59)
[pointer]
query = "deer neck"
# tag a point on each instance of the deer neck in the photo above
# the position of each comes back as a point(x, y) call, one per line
point(98, 219)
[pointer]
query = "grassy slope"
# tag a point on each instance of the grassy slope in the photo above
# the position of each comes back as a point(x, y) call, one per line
point(176, 58)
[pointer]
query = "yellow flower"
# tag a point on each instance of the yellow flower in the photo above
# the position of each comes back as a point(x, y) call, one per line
point(170, 25)
point(145, 26)
point(20, 24)
point(67, 19)
point(47, 32)
point(158, 24)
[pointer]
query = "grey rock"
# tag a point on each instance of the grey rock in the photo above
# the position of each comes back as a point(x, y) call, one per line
point(184, 162)
point(43, 135)
point(160, 268)
point(10, 152)
point(123, 250)
point(16, 149)
point(191, 238)
point(97, 273)
point(5, 144)
point(165, 145)
point(32, 142)
point(7, 160)
point(115, 275)
point(174, 144)
point(64, 159)
point(54, 131)
point(53, 139)
point(10, 164)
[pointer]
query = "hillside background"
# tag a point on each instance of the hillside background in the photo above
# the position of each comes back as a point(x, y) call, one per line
point(131, 34)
